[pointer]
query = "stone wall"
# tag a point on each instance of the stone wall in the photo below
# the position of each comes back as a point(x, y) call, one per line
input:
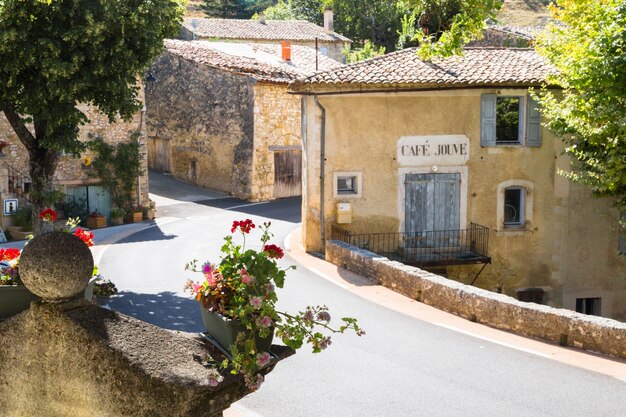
point(70, 171)
point(276, 127)
point(560, 326)
point(205, 118)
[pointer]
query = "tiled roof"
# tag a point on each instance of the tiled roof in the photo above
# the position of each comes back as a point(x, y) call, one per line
point(260, 61)
point(271, 30)
point(403, 69)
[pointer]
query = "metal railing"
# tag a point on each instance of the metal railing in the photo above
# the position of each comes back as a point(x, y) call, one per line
point(426, 248)
point(19, 183)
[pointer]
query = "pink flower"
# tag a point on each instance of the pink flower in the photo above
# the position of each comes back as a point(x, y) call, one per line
point(308, 315)
point(253, 383)
point(265, 321)
point(195, 287)
point(245, 278)
point(270, 288)
point(207, 268)
point(262, 359)
point(213, 382)
point(256, 302)
point(325, 343)
point(323, 315)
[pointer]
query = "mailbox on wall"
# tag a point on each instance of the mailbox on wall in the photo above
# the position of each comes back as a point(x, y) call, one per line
point(344, 213)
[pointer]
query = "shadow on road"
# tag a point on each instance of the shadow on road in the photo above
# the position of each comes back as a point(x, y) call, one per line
point(284, 209)
point(165, 309)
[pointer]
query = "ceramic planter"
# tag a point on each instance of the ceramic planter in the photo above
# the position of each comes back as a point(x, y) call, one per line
point(225, 330)
point(96, 222)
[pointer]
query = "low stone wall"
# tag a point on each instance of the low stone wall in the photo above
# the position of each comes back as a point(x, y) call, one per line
point(500, 311)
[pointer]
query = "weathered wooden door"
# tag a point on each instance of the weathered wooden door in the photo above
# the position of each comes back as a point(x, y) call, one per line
point(159, 154)
point(287, 173)
point(432, 204)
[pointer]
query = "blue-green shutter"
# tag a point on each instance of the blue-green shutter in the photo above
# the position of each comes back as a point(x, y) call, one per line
point(533, 123)
point(488, 120)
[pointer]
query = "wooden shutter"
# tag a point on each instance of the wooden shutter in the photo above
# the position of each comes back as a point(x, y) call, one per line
point(419, 203)
point(488, 120)
point(447, 201)
point(533, 123)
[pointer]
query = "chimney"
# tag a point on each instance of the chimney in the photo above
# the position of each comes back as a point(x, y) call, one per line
point(261, 17)
point(286, 46)
point(329, 25)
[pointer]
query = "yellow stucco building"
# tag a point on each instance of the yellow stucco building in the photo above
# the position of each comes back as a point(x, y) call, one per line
point(446, 164)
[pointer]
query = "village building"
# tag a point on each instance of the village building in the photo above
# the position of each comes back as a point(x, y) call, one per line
point(445, 165)
point(74, 176)
point(298, 32)
point(219, 115)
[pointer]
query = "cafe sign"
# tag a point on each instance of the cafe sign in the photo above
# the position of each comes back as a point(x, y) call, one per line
point(433, 150)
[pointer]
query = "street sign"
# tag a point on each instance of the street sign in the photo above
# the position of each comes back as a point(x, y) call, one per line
point(10, 206)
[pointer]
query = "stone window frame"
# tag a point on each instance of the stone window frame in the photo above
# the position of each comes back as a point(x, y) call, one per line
point(527, 188)
point(358, 175)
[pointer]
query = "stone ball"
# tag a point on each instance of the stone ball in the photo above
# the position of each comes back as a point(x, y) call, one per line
point(56, 266)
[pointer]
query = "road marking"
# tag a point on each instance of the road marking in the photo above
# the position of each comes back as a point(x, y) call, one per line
point(246, 205)
point(490, 340)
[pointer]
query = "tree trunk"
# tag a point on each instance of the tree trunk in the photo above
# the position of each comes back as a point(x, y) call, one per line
point(42, 161)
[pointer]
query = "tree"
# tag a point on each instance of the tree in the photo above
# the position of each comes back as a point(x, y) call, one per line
point(587, 45)
point(56, 54)
point(234, 9)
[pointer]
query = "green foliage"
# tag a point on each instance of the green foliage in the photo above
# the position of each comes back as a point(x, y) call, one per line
point(234, 9)
point(447, 25)
point(587, 45)
point(117, 167)
point(366, 52)
point(280, 11)
point(23, 218)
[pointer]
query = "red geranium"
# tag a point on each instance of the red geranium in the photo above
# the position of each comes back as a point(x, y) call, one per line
point(48, 215)
point(85, 236)
point(273, 251)
point(9, 254)
point(244, 226)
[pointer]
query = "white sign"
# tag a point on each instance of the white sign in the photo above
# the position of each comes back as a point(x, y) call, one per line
point(10, 206)
point(433, 150)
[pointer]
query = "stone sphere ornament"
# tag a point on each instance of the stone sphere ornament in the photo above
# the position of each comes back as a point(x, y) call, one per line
point(56, 266)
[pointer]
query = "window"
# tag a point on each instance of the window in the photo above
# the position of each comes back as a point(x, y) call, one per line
point(509, 120)
point(347, 184)
point(513, 207)
point(592, 306)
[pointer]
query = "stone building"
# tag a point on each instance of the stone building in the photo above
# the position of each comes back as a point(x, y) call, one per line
point(73, 174)
point(298, 32)
point(219, 115)
point(449, 163)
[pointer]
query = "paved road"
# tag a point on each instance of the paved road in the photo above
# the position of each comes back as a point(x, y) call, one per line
point(403, 367)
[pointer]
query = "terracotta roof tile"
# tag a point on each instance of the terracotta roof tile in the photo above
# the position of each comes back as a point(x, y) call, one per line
point(260, 61)
point(274, 30)
point(403, 69)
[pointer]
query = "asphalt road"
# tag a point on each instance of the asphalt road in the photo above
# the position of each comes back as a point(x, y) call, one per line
point(403, 367)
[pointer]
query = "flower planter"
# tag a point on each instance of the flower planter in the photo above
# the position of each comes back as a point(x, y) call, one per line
point(137, 217)
point(14, 299)
point(225, 330)
point(116, 221)
point(96, 222)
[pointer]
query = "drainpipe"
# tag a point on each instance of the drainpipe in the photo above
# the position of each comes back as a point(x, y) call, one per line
point(322, 171)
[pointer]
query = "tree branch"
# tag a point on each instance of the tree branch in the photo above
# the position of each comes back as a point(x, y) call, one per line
point(20, 129)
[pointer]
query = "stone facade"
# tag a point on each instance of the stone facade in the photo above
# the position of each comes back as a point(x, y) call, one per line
point(568, 245)
point(70, 171)
point(557, 326)
point(219, 128)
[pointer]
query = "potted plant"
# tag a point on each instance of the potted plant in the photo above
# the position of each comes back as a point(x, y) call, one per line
point(117, 215)
point(14, 296)
point(96, 220)
point(23, 224)
point(238, 306)
point(137, 214)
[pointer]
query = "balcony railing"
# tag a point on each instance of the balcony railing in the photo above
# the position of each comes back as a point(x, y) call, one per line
point(424, 249)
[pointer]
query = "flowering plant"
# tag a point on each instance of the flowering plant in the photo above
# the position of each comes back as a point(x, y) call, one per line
point(10, 257)
point(242, 287)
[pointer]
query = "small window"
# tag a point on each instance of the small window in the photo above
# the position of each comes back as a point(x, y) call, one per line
point(508, 120)
point(513, 207)
point(347, 185)
point(592, 306)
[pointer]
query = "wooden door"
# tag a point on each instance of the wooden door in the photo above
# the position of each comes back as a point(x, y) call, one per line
point(287, 173)
point(432, 204)
point(159, 154)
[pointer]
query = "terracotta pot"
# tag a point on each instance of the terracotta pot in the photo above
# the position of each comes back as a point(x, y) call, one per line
point(225, 330)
